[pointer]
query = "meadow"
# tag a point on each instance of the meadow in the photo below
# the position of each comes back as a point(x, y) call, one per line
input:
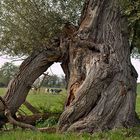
point(54, 103)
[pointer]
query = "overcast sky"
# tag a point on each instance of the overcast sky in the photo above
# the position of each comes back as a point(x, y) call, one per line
point(56, 68)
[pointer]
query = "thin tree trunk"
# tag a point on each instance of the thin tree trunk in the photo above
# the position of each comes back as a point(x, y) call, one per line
point(102, 83)
point(32, 119)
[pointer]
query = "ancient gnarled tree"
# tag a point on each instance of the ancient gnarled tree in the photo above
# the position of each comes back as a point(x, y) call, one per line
point(101, 81)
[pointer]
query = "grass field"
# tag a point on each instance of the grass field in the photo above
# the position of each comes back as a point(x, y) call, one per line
point(129, 134)
point(138, 100)
point(54, 103)
point(43, 102)
point(46, 102)
point(138, 88)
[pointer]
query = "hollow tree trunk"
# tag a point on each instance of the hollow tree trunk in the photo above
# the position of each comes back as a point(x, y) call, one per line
point(102, 80)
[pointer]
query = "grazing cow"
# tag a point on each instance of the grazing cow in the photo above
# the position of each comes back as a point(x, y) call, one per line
point(57, 90)
point(53, 90)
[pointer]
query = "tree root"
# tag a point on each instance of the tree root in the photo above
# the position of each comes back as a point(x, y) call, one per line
point(31, 108)
point(32, 119)
point(16, 123)
point(8, 115)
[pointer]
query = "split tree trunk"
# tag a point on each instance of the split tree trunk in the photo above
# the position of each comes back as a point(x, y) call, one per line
point(29, 71)
point(101, 79)
point(102, 83)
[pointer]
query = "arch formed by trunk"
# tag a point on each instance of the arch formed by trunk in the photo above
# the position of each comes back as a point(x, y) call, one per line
point(101, 81)
point(31, 68)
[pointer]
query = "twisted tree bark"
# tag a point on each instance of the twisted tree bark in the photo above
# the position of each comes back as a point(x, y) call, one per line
point(29, 71)
point(101, 81)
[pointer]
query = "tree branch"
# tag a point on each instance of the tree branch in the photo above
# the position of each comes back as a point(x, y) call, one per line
point(8, 115)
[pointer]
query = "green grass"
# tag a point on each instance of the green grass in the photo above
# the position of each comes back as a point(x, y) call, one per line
point(29, 135)
point(46, 102)
point(121, 134)
point(138, 100)
point(54, 103)
point(2, 91)
point(138, 88)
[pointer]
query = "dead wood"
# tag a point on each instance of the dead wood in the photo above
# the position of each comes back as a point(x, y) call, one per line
point(48, 129)
point(101, 81)
point(31, 108)
point(16, 123)
point(32, 119)
point(8, 115)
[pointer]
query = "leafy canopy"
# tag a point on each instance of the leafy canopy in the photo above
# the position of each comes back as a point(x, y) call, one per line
point(7, 72)
point(27, 24)
point(132, 12)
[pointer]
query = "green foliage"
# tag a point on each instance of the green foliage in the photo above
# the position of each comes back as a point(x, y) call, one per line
point(7, 72)
point(138, 99)
point(54, 81)
point(35, 99)
point(28, 24)
point(138, 88)
point(2, 91)
point(47, 123)
point(46, 102)
point(132, 12)
point(120, 134)
point(29, 135)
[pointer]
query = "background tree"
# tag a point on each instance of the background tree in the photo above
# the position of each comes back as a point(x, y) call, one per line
point(132, 11)
point(54, 81)
point(7, 73)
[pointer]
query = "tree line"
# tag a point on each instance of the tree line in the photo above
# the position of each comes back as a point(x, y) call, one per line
point(8, 71)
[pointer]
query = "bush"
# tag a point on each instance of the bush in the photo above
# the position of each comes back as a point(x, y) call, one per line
point(47, 123)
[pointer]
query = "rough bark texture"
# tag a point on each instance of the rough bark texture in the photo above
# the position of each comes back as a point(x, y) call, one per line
point(31, 108)
point(32, 119)
point(101, 81)
point(29, 71)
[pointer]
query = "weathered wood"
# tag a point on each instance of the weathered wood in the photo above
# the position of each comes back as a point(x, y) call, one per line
point(102, 83)
point(29, 71)
point(31, 108)
point(27, 122)
point(8, 115)
point(32, 119)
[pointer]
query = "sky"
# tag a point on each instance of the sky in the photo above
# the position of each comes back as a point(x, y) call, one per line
point(56, 68)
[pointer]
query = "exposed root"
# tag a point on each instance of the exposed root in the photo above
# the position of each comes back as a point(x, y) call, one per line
point(47, 129)
point(31, 108)
point(16, 123)
point(32, 119)
point(8, 115)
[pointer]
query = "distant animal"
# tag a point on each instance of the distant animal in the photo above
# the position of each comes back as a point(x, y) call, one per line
point(57, 90)
point(53, 90)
